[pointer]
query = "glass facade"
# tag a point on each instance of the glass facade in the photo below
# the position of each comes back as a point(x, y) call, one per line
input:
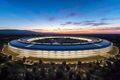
point(60, 54)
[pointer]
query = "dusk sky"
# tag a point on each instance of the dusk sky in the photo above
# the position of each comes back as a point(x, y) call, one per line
point(61, 16)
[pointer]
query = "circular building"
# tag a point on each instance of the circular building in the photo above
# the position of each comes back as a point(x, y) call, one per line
point(60, 47)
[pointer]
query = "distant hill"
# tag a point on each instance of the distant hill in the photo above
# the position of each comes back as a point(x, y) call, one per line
point(16, 32)
point(10, 32)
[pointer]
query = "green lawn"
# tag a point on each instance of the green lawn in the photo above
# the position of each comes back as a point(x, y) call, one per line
point(114, 51)
point(70, 60)
point(9, 52)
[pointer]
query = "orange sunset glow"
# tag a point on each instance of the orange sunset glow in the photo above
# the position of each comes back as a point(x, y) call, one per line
point(78, 31)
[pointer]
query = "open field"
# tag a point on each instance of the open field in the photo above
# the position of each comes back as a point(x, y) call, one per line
point(114, 51)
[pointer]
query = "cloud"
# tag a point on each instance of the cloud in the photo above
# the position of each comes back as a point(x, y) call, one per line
point(90, 22)
point(71, 14)
point(99, 23)
point(82, 23)
point(53, 18)
point(64, 16)
point(108, 28)
point(66, 23)
point(105, 19)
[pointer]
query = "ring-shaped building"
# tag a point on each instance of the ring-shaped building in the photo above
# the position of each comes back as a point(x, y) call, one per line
point(60, 47)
